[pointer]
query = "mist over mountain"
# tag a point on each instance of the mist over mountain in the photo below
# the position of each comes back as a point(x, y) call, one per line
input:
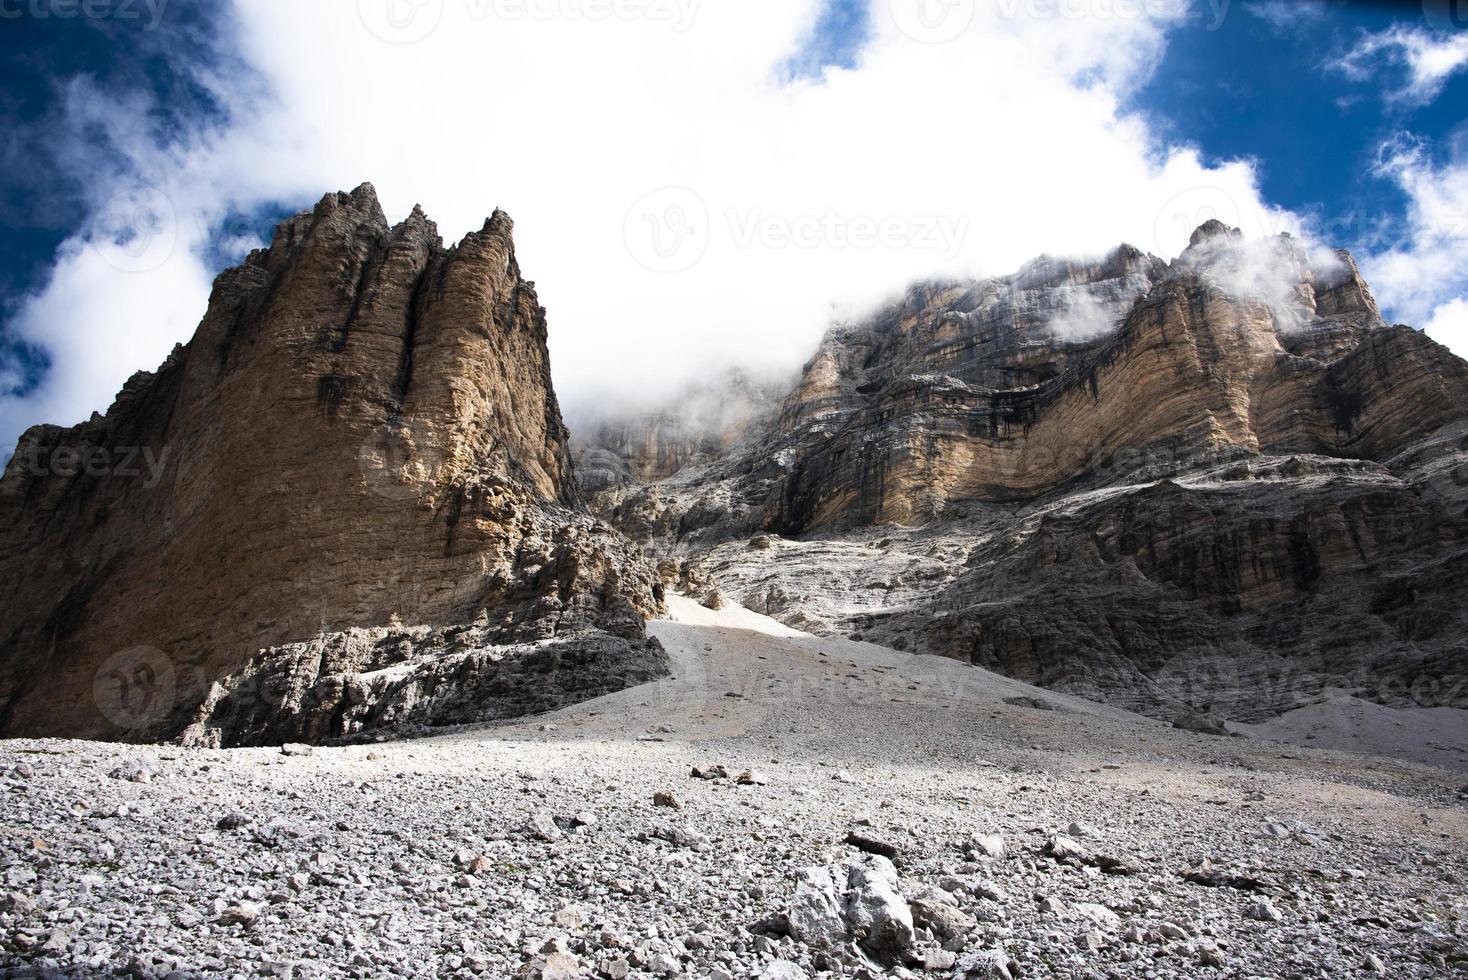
point(921, 489)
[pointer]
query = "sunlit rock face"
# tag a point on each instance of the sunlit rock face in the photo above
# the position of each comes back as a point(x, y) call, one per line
point(1219, 483)
point(361, 432)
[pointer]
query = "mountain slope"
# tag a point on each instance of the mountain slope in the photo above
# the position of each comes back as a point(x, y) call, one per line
point(537, 847)
point(1216, 485)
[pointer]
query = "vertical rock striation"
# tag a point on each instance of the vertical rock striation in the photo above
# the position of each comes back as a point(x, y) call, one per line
point(361, 432)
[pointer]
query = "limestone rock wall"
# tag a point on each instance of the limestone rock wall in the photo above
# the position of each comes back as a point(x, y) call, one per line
point(390, 681)
point(1221, 483)
point(362, 430)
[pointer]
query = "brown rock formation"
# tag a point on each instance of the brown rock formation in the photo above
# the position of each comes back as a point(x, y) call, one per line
point(361, 431)
point(1221, 483)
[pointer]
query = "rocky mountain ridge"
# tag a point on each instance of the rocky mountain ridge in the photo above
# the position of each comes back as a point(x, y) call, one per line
point(362, 433)
point(1212, 489)
point(1220, 486)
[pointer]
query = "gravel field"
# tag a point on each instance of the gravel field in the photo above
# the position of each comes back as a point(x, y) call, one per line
point(858, 812)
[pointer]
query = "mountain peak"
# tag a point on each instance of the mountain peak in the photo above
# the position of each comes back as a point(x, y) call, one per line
point(1213, 228)
point(368, 391)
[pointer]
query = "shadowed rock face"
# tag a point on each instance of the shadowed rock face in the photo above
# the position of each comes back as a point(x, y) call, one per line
point(1220, 483)
point(364, 683)
point(361, 431)
point(1244, 592)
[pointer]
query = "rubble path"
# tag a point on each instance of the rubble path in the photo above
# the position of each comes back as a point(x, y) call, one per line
point(858, 812)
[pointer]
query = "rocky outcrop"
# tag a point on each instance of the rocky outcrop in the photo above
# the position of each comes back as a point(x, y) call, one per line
point(1217, 484)
point(392, 681)
point(1200, 363)
point(361, 432)
point(1244, 591)
point(1213, 487)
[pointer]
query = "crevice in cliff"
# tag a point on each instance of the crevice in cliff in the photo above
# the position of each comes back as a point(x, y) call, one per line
point(403, 378)
point(331, 393)
point(334, 337)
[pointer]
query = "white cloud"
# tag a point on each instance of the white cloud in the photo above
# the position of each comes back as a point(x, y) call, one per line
point(1429, 58)
point(1429, 263)
point(12, 379)
point(1449, 326)
point(103, 317)
point(963, 157)
point(1272, 271)
point(1288, 16)
point(1426, 263)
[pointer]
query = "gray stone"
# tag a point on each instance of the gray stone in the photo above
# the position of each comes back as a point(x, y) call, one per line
point(816, 912)
point(782, 970)
point(542, 826)
point(1263, 911)
point(875, 910)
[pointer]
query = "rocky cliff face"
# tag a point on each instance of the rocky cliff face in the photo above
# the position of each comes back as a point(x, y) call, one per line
point(362, 432)
point(1217, 484)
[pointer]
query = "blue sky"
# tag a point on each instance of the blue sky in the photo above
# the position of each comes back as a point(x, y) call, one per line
point(1347, 118)
point(1264, 90)
point(836, 38)
point(48, 184)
